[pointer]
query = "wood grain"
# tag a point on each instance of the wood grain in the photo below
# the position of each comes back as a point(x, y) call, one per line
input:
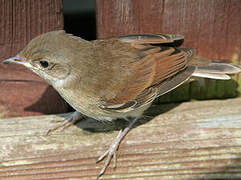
point(212, 27)
point(21, 91)
point(193, 140)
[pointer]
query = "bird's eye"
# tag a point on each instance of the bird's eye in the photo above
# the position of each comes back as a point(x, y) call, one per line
point(44, 63)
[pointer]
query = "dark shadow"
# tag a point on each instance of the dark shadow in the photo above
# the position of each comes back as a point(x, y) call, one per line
point(176, 43)
point(49, 103)
point(81, 24)
point(20, 80)
point(92, 125)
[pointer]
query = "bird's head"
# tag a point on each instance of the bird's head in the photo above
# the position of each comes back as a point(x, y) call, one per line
point(52, 55)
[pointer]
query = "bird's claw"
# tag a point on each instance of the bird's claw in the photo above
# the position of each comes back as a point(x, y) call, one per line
point(109, 154)
point(66, 123)
point(71, 119)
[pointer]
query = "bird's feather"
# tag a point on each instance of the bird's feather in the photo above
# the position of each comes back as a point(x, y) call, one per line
point(151, 38)
point(163, 67)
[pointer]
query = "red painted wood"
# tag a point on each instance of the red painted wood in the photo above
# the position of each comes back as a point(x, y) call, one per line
point(21, 92)
point(211, 27)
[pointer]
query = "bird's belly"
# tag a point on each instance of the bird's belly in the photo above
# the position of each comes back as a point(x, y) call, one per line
point(88, 106)
point(104, 115)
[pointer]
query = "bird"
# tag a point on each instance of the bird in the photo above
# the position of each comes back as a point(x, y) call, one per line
point(114, 78)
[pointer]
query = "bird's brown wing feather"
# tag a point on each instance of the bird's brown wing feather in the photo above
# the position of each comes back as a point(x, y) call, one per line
point(155, 68)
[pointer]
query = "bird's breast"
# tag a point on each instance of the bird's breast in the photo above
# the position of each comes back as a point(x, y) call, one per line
point(89, 105)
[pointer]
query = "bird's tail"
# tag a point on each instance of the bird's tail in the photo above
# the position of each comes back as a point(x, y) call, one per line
point(210, 68)
point(216, 71)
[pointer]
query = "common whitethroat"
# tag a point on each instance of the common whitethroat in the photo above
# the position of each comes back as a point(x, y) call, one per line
point(116, 77)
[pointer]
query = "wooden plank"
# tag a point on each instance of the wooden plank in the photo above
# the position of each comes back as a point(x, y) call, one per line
point(21, 91)
point(193, 140)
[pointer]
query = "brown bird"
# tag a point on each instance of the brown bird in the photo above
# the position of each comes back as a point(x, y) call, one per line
point(116, 77)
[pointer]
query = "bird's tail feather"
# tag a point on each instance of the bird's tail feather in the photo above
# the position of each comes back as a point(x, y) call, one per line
point(212, 69)
point(216, 71)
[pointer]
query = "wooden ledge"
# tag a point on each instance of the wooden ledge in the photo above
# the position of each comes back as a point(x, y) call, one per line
point(192, 140)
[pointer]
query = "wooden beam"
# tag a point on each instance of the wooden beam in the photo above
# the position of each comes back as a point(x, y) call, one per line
point(192, 140)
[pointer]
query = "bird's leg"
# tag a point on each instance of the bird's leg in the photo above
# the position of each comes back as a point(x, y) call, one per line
point(111, 152)
point(69, 121)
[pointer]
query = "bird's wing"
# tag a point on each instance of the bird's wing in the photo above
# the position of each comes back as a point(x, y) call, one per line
point(152, 38)
point(153, 70)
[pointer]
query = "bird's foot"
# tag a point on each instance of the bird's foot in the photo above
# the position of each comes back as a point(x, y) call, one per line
point(69, 121)
point(111, 152)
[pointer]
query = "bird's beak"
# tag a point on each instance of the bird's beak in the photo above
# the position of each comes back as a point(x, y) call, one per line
point(16, 60)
